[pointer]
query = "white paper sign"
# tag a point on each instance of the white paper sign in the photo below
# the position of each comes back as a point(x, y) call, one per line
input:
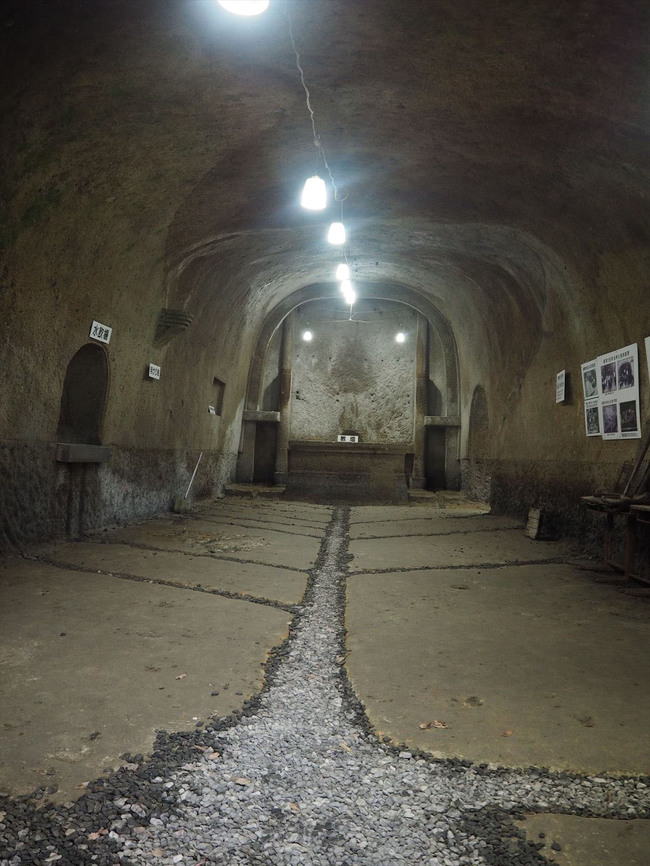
point(212, 410)
point(618, 379)
point(100, 332)
point(154, 371)
point(560, 386)
point(647, 355)
point(343, 438)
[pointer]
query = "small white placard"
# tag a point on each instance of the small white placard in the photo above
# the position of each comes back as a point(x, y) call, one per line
point(560, 387)
point(154, 371)
point(100, 332)
point(212, 410)
point(343, 438)
point(647, 354)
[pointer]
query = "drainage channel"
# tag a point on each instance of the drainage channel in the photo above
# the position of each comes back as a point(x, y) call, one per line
point(299, 778)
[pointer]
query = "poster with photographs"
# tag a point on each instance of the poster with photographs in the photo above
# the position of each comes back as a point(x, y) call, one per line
point(592, 398)
point(618, 381)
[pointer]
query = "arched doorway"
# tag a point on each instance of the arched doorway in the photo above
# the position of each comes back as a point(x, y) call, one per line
point(355, 378)
point(79, 434)
point(84, 397)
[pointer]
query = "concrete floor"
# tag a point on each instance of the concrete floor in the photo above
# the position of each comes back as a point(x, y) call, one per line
point(465, 638)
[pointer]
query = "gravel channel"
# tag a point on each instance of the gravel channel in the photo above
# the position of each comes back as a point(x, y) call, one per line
point(299, 778)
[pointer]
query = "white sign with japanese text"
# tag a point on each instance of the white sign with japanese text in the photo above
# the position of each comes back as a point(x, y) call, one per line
point(154, 371)
point(100, 332)
point(560, 387)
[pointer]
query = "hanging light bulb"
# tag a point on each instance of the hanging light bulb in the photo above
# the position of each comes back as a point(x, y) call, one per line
point(245, 7)
point(336, 234)
point(307, 336)
point(342, 272)
point(400, 337)
point(349, 295)
point(314, 194)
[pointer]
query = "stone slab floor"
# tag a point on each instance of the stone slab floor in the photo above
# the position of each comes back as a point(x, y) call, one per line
point(465, 639)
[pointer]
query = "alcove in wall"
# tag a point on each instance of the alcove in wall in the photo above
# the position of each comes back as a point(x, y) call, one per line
point(84, 397)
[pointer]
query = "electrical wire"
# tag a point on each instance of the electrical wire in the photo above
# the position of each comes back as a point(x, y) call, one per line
point(339, 195)
point(317, 140)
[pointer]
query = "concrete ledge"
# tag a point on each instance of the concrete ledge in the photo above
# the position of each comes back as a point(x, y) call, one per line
point(442, 420)
point(80, 453)
point(348, 447)
point(261, 415)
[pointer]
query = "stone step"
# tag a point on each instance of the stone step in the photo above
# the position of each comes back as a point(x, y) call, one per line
point(255, 491)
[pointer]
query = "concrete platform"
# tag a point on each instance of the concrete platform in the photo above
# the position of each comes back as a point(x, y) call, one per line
point(524, 664)
point(436, 524)
point(197, 535)
point(184, 570)
point(92, 664)
point(446, 548)
point(589, 841)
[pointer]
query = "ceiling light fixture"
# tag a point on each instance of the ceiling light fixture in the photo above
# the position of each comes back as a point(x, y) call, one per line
point(342, 272)
point(307, 336)
point(245, 7)
point(349, 295)
point(336, 234)
point(400, 337)
point(314, 194)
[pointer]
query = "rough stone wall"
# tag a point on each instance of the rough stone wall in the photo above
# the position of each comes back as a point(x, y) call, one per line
point(42, 499)
point(353, 377)
point(149, 159)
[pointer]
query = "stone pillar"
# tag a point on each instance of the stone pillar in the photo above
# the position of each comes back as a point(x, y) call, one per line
point(452, 463)
point(418, 476)
point(246, 460)
point(286, 360)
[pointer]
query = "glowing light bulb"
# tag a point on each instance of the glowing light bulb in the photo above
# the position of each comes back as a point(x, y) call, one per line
point(349, 295)
point(314, 194)
point(343, 272)
point(307, 336)
point(400, 338)
point(336, 234)
point(245, 7)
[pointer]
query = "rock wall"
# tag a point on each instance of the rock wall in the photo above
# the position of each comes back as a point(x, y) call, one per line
point(42, 499)
point(353, 377)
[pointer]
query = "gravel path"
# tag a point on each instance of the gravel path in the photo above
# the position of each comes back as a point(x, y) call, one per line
point(299, 779)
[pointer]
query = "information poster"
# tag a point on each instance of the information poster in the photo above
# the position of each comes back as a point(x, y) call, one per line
point(592, 398)
point(618, 382)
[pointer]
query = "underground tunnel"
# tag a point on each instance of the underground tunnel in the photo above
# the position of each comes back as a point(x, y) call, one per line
point(324, 550)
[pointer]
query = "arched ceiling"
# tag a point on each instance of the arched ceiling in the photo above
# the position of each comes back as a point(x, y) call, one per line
point(485, 147)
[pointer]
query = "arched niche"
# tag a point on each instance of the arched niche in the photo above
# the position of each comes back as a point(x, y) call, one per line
point(450, 397)
point(436, 404)
point(84, 397)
